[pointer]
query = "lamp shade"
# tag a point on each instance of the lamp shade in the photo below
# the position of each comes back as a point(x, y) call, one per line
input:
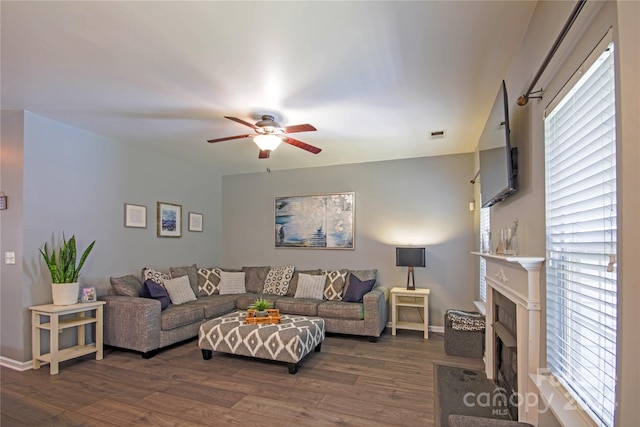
point(410, 257)
point(267, 142)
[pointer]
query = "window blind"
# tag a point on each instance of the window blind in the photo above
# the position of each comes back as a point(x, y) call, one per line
point(580, 184)
point(485, 229)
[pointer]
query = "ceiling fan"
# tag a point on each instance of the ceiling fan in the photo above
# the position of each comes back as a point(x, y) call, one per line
point(269, 134)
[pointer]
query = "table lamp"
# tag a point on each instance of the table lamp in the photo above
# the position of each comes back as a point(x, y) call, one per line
point(410, 257)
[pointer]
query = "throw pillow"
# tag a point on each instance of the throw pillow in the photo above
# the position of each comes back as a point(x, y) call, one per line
point(335, 284)
point(179, 290)
point(151, 289)
point(190, 271)
point(277, 281)
point(208, 281)
point(254, 278)
point(310, 286)
point(293, 284)
point(155, 275)
point(357, 289)
point(128, 286)
point(360, 274)
point(232, 283)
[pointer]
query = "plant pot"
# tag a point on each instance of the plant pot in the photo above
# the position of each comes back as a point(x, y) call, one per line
point(65, 293)
point(261, 314)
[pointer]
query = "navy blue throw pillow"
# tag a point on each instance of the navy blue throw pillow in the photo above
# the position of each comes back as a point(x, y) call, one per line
point(357, 289)
point(151, 289)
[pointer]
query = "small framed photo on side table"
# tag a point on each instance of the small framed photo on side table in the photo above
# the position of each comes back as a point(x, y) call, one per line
point(88, 294)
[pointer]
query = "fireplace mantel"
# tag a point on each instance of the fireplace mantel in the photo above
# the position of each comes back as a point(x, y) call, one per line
point(505, 275)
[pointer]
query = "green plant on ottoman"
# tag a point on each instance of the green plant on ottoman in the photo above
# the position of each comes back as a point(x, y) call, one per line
point(260, 306)
point(64, 272)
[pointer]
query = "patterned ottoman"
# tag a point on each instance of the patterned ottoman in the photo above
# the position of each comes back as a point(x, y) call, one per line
point(288, 341)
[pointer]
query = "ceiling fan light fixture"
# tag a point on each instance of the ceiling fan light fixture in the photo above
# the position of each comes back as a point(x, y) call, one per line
point(267, 142)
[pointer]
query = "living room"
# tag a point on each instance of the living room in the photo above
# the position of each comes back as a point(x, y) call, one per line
point(59, 177)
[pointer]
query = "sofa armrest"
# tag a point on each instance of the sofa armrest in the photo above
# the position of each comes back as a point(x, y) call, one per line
point(376, 310)
point(132, 323)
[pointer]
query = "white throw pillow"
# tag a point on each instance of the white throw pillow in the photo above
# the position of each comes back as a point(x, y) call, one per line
point(310, 286)
point(179, 290)
point(231, 283)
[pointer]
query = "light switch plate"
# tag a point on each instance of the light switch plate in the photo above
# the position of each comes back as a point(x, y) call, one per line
point(9, 257)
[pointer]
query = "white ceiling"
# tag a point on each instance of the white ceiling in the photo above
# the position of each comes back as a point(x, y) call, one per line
point(375, 78)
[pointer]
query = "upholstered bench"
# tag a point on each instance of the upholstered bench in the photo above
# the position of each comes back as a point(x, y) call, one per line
point(288, 341)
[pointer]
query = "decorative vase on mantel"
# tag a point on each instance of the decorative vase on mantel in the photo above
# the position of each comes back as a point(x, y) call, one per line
point(65, 293)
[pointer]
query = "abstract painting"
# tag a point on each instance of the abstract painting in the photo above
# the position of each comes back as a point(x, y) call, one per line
point(169, 220)
point(320, 221)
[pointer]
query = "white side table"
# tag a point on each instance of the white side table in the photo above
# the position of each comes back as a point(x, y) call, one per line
point(53, 323)
point(401, 297)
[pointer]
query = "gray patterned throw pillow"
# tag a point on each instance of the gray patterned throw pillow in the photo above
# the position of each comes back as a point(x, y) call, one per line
point(155, 275)
point(335, 284)
point(208, 281)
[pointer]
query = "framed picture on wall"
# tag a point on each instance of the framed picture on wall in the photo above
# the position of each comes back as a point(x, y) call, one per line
point(319, 221)
point(169, 220)
point(195, 221)
point(135, 216)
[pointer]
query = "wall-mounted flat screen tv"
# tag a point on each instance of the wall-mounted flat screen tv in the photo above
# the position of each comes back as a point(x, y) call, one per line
point(498, 160)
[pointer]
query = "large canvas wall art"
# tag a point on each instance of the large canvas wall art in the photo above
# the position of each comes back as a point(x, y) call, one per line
point(320, 221)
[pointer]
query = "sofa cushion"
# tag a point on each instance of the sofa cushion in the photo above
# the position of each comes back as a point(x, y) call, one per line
point(357, 289)
point(301, 306)
point(232, 283)
point(179, 290)
point(255, 277)
point(341, 310)
point(127, 286)
point(310, 286)
point(208, 281)
point(360, 274)
point(277, 281)
point(176, 316)
point(293, 284)
point(216, 305)
point(245, 300)
point(151, 289)
point(155, 275)
point(334, 284)
point(190, 271)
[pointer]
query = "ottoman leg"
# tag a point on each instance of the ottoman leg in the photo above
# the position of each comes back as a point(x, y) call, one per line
point(293, 368)
point(318, 347)
point(206, 354)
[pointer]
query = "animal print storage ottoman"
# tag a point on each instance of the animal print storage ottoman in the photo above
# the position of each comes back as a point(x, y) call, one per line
point(288, 341)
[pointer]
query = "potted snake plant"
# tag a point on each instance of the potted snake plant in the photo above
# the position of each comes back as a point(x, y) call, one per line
point(64, 271)
point(260, 306)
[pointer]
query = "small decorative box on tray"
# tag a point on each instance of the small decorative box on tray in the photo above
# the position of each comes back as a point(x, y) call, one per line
point(273, 316)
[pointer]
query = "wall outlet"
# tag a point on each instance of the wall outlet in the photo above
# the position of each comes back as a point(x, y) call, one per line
point(9, 257)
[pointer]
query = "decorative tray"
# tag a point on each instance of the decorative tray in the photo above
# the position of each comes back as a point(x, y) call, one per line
point(272, 317)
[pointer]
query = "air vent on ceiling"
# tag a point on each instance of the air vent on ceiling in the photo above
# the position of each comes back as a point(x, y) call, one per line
point(437, 134)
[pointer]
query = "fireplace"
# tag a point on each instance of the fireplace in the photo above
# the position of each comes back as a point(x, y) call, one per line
point(506, 350)
point(513, 330)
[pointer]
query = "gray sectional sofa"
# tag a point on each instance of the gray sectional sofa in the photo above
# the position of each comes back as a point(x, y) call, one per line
point(138, 323)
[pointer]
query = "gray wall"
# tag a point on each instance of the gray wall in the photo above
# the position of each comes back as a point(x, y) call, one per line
point(78, 182)
point(420, 201)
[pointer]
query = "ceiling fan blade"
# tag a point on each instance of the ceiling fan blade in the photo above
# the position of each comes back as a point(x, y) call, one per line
point(300, 144)
point(264, 154)
point(230, 137)
point(242, 122)
point(299, 128)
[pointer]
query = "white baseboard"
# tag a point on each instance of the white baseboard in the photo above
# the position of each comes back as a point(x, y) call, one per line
point(436, 329)
point(15, 365)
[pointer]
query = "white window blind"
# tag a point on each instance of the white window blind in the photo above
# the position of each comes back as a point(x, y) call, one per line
point(485, 229)
point(580, 163)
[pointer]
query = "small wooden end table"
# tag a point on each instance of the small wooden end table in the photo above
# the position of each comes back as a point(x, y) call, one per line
point(54, 324)
point(403, 297)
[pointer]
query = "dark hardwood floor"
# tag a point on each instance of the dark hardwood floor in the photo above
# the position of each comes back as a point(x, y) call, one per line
point(351, 382)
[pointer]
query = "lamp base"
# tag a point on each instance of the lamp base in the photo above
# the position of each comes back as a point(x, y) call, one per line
point(411, 280)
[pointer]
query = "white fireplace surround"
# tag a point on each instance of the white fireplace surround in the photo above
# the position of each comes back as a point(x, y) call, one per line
point(518, 279)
